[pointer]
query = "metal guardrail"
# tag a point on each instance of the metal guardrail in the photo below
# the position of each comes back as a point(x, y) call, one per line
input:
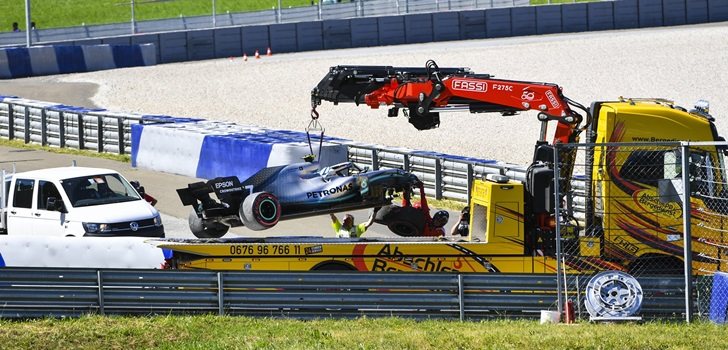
point(51, 124)
point(318, 12)
point(33, 292)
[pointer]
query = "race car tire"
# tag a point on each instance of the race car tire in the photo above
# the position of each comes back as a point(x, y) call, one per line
point(202, 229)
point(260, 211)
point(402, 221)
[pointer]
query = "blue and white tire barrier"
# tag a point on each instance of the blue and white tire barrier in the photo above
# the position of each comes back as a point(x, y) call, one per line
point(208, 149)
point(20, 62)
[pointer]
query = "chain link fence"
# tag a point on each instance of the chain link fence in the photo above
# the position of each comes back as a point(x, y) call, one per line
point(628, 212)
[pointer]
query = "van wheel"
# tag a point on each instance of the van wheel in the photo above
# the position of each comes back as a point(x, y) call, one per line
point(260, 211)
point(402, 221)
point(202, 229)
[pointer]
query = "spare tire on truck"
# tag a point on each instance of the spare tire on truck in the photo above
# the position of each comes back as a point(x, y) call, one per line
point(202, 229)
point(260, 211)
point(402, 221)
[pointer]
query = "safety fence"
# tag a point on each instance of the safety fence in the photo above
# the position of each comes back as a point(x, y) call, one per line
point(282, 14)
point(33, 292)
point(637, 218)
point(52, 124)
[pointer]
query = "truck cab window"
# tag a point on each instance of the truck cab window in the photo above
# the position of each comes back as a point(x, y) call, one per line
point(23, 197)
point(46, 190)
point(647, 167)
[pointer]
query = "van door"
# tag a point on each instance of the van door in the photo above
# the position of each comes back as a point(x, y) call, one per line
point(49, 221)
point(20, 211)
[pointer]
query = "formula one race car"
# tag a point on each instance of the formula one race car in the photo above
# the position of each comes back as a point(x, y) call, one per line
point(287, 192)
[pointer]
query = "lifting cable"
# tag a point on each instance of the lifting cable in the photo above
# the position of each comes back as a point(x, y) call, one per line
point(314, 126)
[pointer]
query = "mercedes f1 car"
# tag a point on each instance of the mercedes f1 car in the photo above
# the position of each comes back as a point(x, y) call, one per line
point(288, 192)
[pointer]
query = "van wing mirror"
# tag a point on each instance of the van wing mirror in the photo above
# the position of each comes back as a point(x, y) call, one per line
point(54, 204)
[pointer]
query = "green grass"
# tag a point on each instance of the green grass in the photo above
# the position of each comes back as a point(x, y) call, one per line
point(214, 332)
point(70, 13)
point(20, 144)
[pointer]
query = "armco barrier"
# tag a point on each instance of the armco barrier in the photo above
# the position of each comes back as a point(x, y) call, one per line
point(22, 62)
point(207, 149)
point(53, 292)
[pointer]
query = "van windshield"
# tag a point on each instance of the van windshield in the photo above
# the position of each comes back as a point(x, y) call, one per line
point(93, 190)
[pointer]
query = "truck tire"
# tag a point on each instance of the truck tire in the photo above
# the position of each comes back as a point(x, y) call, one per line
point(202, 229)
point(402, 221)
point(260, 211)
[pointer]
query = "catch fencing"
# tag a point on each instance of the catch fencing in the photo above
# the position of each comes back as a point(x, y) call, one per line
point(284, 14)
point(33, 292)
point(632, 214)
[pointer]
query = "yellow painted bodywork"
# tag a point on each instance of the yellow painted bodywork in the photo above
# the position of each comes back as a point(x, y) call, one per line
point(637, 220)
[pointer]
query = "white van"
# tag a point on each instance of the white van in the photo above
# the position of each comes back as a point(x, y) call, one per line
point(75, 201)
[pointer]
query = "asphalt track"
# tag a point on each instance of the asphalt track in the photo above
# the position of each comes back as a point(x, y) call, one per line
point(162, 186)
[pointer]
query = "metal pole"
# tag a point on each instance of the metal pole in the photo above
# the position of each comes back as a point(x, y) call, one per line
point(2, 198)
point(461, 299)
point(557, 205)
point(438, 178)
point(687, 251)
point(320, 10)
point(220, 297)
point(214, 23)
point(99, 283)
point(133, 21)
point(279, 11)
point(27, 23)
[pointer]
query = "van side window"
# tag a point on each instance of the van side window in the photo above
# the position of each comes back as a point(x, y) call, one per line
point(23, 197)
point(46, 190)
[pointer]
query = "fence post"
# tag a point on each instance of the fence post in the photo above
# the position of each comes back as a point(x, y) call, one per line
point(81, 142)
point(687, 250)
point(557, 215)
point(100, 134)
point(406, 163)
point(11, 121)
point(220, 297)
point(43, 127)
point(461, 300)
point(470, 181)
point(438, 178)
point(61, 129)
point(121, 131)
point(26, 139)
point(100, 285)
point(375, 159)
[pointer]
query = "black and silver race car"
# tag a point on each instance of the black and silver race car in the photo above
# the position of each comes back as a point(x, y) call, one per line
point(288, 192)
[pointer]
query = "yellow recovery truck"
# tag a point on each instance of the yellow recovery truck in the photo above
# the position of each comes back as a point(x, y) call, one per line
point(628, 221)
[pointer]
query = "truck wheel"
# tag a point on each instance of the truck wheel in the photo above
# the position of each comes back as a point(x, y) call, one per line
point(202, 229)
point(260, 211)
point(402, 221)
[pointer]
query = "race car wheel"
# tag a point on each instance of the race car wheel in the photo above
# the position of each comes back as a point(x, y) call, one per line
point(202, 229)
point(260, 211)
point(402, 221)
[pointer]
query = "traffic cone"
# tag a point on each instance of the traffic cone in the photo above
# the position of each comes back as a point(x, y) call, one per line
point(257, 54)
point(245, 57)
point(268, 53)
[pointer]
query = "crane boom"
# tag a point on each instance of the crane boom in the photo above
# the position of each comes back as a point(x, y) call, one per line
point(425, 92)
